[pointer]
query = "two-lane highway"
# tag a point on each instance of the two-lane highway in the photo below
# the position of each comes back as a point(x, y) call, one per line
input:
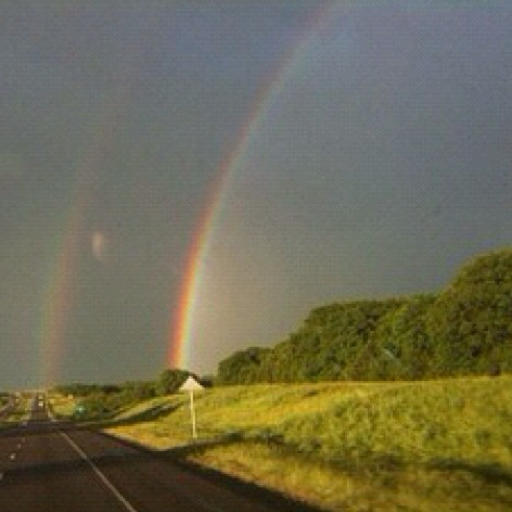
point(50, 467)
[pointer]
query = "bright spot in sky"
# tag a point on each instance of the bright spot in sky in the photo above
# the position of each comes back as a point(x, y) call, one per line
point(99, 245)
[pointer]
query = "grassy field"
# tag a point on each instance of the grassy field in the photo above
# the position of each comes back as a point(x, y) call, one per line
point(19, 414)
point(428, 446)
point(60, 405)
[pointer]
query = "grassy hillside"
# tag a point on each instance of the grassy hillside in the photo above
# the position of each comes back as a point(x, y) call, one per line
point(422, 446)
point(86, 402)
point(465, 329)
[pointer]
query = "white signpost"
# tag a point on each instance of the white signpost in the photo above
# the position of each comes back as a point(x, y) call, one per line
point(192, 385)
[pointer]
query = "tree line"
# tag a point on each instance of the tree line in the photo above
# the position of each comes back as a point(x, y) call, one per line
point(100, 401)
point(466, 329)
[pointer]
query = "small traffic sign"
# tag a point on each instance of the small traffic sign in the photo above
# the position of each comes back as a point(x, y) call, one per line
point(191, 385)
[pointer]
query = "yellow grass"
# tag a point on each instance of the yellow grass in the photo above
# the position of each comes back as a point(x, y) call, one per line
point(61, 405)
point(440, 445)
point(19, 414)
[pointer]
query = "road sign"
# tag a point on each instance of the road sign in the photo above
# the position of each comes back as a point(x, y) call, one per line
point(191, 385)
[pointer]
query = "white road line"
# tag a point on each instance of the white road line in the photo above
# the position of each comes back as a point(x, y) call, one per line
point(99, 473)
point(50, 415)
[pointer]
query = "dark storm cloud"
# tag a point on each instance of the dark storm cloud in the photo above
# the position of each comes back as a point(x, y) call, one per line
point(383, 162)
point(183, 76)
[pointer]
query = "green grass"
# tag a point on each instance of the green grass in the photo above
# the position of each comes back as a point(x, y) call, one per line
point(61, 406)
point(19, 414)
point(440, 445)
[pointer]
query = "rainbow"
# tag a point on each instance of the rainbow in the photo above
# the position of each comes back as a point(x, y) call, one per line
point(59, 293)
point(59, 297)
point(181, 337)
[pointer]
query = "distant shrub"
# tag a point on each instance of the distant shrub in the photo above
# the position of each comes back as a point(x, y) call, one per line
point(494, 370)
point(170, 381)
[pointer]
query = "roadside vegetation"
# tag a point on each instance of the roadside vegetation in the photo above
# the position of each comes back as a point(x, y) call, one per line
point(18, 413)
point(466, 329)
point(420, 446)
point(5, 398)
point(402, 404)
point(95, 402)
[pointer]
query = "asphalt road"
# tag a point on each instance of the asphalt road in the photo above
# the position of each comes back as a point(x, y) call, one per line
point(55, 467)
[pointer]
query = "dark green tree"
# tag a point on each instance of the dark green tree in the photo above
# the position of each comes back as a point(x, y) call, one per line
point(466, 329)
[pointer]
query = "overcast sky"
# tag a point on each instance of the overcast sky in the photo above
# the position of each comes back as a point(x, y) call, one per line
point(379, 159)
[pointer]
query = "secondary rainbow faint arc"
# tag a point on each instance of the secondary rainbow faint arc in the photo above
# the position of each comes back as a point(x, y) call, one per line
point(181, 329)
point(59, 296)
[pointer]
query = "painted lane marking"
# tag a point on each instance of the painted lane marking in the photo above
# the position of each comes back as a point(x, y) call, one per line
point(99, 473)
point(198, 502)
point(50, 415)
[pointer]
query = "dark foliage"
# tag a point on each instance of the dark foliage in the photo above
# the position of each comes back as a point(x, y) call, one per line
point(170, 381)
point(103, 401)
point(464, 330)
